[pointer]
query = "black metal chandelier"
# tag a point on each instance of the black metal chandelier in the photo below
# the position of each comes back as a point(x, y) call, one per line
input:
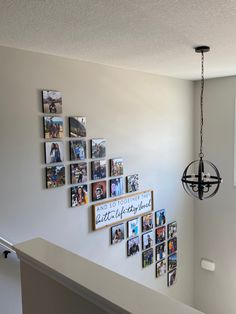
point(201, 178)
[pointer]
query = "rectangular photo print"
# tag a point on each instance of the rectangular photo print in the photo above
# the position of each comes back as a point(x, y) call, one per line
point(116, 187)
point(99, 190)
point(54, 152)
point(116, 167)
point(98, 148)
point(147, 222)
point(147, 240)
point(172, 229)
point(172, 246)
point(160, 234)
point(160, 217)
point(160, 251)
point(98, 169)
point(133, 227)
point(133, 246)
point(147, 257)
point(52, 101)
point(160, 268)
point(77, 150)
point(172, 261)
point(79, 195)
point(55, 176)
point(117, 233)
point(77, 126)
point(132, 183)
point(53, 127)
point(78, 173)
point(171, 279)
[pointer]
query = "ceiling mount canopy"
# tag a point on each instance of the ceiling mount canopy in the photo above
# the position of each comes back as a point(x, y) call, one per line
point(201, 178)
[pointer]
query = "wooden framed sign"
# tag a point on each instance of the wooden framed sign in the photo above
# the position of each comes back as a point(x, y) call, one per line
point(123, 208)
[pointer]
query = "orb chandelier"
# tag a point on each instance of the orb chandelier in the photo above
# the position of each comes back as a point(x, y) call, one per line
point(201, 179)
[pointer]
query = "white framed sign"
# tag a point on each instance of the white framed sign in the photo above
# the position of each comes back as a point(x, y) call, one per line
point(123, 208)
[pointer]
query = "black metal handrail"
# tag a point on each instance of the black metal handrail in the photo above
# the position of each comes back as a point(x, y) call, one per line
point(8, 246)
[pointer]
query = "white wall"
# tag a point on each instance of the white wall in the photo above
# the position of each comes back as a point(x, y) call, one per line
point(146, 119)
point(215, 218)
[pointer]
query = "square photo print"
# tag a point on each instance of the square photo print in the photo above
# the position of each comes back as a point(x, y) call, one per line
point(172, 229)
point(147, 257)
point(55, 176)
point(160, 251)
point(116, 167)
point(172, 246)
point(77, 126)
point(52, 101)
point(160, 234)
point(99, 190)
point(160, 268)
point(147, 240)
point(117, 233)
point(98, 169)
point(171, 279)
point(147, 222)
point(54, 152)
point(133, 227)
point(160, 217)
point(116, 187)
point(77, 150)
point(53, 127)
point(132, 183)
point(98, 148)
point(78, 173)
point(172, 261)
point(79, 195)
point(133, 246)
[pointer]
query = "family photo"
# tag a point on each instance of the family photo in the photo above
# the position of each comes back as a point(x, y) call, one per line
point(116, 167)
point(78, 173)
point(98, 169)
point(54, 152)
point(160, 217)
point(172, 246)
point(79, 195)
point(117, 233)
point(147, 222)
point(52, 101)
point(116, 187)
point(160, 234)
point(55, 176)
point(172, 261)
point(132, 183)
point(160, 251)
point(147, 257)
point(98, 148)
point(133, 227)
point(99, 191)
point(77, 126)
point(147, 240)
point(133, 246)
point(172, 229)
point(53, 127)
point(160, 268)
point(78, 150)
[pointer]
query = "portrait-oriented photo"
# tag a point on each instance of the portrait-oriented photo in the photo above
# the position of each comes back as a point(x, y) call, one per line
point(98, 148)
point(77, 126)
point(133, 246)
point(172, 261)
point(78, 173)
point(116, 167)
point(55, 176)
point(160, 234)
point(172, 246)
point(160, 268)
point(98, 169)
point(160, 251)
point(147, 222)
point(132, 183)
point(171, 279)
point(52, 101)
point(99, 190)
point(147, 240)
point(147, 257)
point(133, 227)
point(78, 150)
point(117, 233)
point(116, 187)
point(160, 217)
point(54, 152)
point(79, 195)
point(172, 229)
point(53, 127)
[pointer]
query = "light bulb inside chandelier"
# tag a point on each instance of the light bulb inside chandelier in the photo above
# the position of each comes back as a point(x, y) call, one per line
point(201, 178)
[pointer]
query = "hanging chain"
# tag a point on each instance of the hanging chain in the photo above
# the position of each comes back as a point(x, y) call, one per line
point(201, 155)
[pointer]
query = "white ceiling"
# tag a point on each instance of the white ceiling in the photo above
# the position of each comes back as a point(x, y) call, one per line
point(154, 36)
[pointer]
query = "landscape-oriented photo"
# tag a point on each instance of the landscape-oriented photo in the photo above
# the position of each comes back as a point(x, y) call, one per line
point(147, 222)
point(78, 173)
point(132, 183)
point(53, 127)
point(79, 195)
point(52, 101)
point(172, 261)
point(99, 190)
point(147, 257)
point(160, 217)
point(133, 227)
point(98, 148)
point(117, 233)
point(133, 246)
point(116, 167)
point(172, 229)
point(77, 126)
point(160, 268)
point(116, 187)
point(54, 152)
point(55, 176)
point(160, 234)
point(98, 169)
point(77, 150)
